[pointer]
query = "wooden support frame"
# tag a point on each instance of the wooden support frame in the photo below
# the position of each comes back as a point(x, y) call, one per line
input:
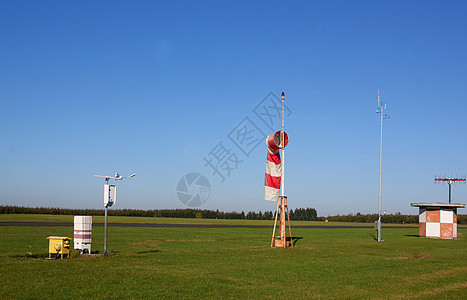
point(281, 212)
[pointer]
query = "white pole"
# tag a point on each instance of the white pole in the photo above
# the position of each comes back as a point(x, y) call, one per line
point(105, 232)
point(283, 150)
point(282, 180)
point(105, 224)
point(380, 167)
point(381, 109)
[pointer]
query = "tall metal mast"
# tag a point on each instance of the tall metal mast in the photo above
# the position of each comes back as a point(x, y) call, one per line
point(283, 149)
point(381, 108)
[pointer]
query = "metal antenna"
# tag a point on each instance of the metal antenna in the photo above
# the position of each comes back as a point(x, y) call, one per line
point(108, 203)
point(450, 180)
point(380, 110)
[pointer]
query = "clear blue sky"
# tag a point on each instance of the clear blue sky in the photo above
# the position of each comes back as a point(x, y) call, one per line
point(98, 87)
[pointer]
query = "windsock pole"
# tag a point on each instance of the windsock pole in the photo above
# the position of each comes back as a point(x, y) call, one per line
point(282, 206)
point(283, 149)
point(282, 198)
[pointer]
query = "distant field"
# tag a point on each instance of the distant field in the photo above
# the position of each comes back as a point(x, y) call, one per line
point(186, 263)
point(155, 220)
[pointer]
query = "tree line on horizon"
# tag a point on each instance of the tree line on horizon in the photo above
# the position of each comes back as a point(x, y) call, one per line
point(299, 214)
point(304, 214)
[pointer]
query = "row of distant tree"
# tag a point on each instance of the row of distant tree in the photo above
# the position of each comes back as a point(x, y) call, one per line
point(305, 214)
point(302, 214)
point(396, 218)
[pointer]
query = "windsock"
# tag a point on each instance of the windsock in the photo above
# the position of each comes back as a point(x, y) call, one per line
point(272, 182)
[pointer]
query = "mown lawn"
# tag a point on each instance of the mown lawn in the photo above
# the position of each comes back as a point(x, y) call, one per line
point(157, 220)
point(234, 263)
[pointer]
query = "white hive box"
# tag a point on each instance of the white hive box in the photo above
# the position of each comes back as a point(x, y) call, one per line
point(82, 233)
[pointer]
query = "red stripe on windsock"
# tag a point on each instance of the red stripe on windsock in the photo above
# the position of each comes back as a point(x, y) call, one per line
point(272, 181)
point(274, 140)
point(274, 157)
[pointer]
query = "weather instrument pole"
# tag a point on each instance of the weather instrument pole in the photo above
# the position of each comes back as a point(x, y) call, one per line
point(110, 197)
point(380, 110)
point(450, 181)
point(106, 185)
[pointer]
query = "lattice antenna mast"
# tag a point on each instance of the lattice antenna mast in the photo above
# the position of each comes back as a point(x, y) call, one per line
point(380, 110)
point(450, 180)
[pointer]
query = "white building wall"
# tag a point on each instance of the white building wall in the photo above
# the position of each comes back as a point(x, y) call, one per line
point(433, 229)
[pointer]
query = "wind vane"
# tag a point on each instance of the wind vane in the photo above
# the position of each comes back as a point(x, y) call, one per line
point(449, 180)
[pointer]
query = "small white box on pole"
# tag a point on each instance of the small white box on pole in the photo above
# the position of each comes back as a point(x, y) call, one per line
point(110, 194)
point(377, 225)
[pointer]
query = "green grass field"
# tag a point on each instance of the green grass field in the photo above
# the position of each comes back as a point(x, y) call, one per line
point(231, 263)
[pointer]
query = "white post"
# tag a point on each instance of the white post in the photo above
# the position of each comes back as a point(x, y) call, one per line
point(380, 110)
point(105, 222)
point(105, 232)
point(283, 149)
point(380, 167)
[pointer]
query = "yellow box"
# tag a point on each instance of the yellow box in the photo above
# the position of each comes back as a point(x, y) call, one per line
point(59, 245)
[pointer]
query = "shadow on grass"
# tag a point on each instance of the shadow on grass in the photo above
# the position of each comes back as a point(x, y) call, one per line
point(374, 236)
point(149, 251)
point(295, 239)
point(412, 235)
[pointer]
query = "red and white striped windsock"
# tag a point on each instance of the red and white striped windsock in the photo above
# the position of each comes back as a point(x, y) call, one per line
point(272, 182)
